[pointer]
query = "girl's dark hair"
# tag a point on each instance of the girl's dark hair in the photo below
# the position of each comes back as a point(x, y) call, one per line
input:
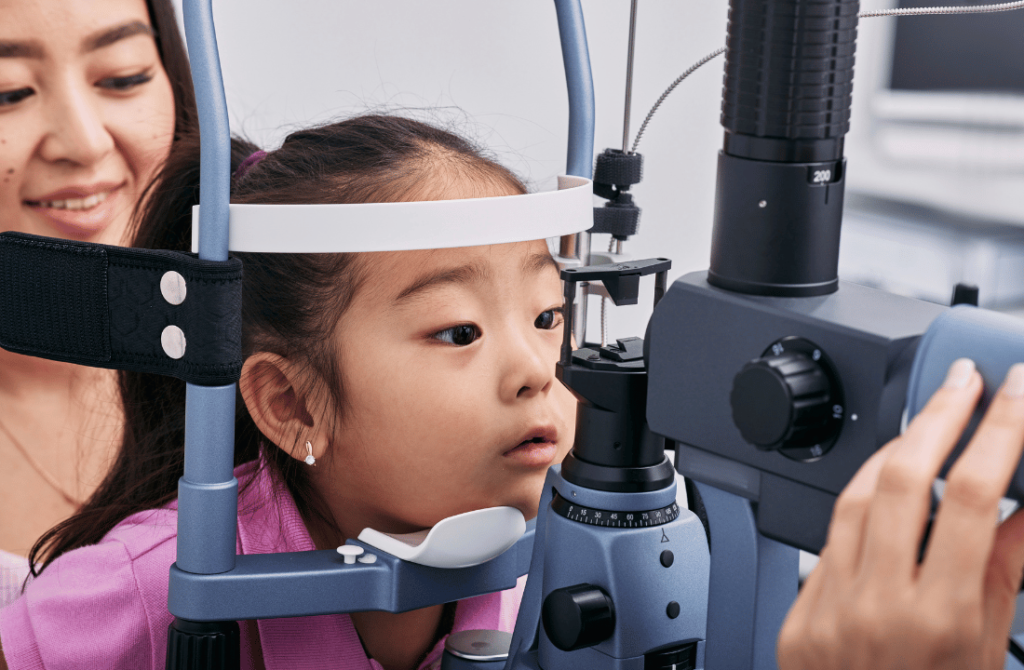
point(290, 302)
point(175, 61)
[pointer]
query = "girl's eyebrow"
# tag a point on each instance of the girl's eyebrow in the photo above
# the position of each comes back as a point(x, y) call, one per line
point(463, 274)
point(538, 262)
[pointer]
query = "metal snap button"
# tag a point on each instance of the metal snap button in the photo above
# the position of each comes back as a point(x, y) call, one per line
point(173, 342)
point(172, 287)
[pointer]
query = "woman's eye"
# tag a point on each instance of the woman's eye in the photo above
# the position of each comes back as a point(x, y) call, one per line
point(125, 83)
point(548, 319)
point(14, 97)
point(460, 335)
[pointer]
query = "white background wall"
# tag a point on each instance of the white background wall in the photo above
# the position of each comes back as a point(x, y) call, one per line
point(494, 70)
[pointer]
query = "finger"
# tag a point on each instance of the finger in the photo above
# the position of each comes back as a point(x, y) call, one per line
point(1003, 579)
point(849, 516)
point(899, 510)
point(965, 525)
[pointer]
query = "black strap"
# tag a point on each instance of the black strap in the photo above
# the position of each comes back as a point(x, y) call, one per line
point(620, 221)
point(102, 306)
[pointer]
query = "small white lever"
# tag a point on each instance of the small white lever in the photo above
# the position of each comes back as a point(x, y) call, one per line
point(350, 551)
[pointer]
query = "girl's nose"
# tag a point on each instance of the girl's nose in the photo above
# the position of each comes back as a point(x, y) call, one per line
point(77, 131)
point(530, 369)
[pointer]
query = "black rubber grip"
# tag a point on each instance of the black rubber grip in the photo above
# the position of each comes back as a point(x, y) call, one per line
point(788, 78)
point(616, 168)
point(621, 222)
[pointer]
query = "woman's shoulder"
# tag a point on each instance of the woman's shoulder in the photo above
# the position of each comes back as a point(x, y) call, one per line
point(65, 617)
point(65, 613)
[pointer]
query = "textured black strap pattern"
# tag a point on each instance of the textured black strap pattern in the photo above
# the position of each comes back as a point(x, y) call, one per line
point(50, 294)
point(615, 168)
point(100, 305)
point(619, 221)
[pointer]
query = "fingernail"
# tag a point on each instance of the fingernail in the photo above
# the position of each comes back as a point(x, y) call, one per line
point(959, 373)
point(1014, 384)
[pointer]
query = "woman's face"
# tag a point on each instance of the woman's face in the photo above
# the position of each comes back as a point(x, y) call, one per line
point(86, 116)
point(451, 402)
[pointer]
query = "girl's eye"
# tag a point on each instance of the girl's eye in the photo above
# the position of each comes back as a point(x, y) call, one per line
point(548, 319)
point(14, 97)
point(459, 336)
point(125, 83)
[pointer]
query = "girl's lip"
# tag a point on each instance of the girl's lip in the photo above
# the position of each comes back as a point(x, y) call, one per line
point(538, 447)
point(80, 223)
point(533, 454)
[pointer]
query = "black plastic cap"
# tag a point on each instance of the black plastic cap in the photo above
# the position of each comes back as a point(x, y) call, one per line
point(578, 616)
point(194, 645)
point(965, 294)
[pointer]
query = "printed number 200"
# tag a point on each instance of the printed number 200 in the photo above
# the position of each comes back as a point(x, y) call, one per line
point(822, 176)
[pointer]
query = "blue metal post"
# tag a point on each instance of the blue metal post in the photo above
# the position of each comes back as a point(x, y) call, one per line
point(580, 84)
point(208, 493)
point(580, 81)
point(753, 584)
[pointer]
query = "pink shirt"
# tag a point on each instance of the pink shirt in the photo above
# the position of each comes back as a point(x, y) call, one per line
point(105, 606)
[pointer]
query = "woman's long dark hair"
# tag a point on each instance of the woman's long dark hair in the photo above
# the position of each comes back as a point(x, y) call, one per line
point(175, 61)
point(290, 302)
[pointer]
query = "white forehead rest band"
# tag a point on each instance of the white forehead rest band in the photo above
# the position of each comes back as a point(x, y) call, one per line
point(401, 226)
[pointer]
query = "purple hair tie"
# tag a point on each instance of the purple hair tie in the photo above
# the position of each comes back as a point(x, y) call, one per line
point(249, 163)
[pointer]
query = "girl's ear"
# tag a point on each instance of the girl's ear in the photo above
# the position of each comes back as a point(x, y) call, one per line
point(271, 388)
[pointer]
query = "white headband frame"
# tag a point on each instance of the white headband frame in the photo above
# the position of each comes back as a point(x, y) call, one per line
point(404, 226)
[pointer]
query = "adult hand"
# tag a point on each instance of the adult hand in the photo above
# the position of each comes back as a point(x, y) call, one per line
point(869, 603)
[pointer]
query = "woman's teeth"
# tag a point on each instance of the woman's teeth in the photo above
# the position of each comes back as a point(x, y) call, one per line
point(76, 203)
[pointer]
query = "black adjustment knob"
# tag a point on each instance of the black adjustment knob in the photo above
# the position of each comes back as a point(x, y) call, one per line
point(782, 401)
point(578, 616)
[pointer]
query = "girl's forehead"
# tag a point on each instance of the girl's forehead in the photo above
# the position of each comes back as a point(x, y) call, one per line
point(403, 275)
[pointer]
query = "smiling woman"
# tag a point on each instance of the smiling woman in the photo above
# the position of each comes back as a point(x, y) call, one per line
point(92, 95)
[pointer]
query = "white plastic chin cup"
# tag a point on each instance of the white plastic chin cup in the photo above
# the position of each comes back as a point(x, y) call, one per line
point(404, 226)
point(459, 541)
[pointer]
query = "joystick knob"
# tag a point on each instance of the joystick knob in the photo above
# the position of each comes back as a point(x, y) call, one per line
point(578, 616)
point(783, 401)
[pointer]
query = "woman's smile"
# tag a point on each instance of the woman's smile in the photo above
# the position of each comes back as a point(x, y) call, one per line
point(80, 211)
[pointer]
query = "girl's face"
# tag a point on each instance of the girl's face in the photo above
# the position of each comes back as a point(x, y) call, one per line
point(447, 363)
point(86, 116)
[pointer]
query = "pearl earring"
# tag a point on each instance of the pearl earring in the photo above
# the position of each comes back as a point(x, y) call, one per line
point(309, 458)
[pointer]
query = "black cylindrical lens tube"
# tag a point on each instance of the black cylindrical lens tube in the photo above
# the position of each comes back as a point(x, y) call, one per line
point(786, 110)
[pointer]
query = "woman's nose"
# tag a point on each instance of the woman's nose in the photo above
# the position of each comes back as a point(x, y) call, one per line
point(77, 131)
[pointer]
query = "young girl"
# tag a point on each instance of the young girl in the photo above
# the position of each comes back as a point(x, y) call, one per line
point(421, 382)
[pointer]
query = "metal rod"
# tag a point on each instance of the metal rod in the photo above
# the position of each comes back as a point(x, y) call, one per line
point(580, 83)
point(570, 297)
point(660, 281)
point(629, 76)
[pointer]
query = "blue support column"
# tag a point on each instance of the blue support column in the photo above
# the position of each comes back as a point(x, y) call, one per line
point(580, 82)
point(208, 493)
point(753, 584)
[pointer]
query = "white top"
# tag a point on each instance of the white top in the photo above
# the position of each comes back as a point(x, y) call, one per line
point(13, 571)
point(401, 226)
